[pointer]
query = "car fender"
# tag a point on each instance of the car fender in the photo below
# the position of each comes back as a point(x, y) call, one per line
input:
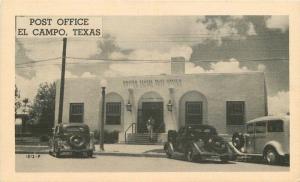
point(196, 148)
point(169, 144)
point(276, 145)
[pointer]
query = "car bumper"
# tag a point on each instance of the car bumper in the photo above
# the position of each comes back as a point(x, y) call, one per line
point(76, 150)
point(216, 155)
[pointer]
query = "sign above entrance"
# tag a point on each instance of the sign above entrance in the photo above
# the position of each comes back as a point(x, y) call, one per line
point(152, 83)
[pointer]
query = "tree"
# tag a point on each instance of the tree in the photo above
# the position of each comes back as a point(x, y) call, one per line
point(25, 104)
point(17, 99)
point(42, 109)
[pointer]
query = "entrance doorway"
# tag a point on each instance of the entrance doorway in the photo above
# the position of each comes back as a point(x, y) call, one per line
point(154, 110)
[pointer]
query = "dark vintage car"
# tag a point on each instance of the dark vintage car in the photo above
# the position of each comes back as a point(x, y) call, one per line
point(198, 142)
point(73, 138)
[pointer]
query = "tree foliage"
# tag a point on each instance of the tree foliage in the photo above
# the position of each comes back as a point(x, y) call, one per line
point(43, 108)
point(17, 99)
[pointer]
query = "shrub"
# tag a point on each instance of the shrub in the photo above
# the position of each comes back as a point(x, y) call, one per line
point(109, 136)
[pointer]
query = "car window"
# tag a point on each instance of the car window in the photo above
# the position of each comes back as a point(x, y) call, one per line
point(74, 129)
point(261, 127)
point(275, 126)
point(250, 128)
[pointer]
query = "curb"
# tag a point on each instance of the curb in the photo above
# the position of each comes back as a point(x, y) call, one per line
point(104, 154)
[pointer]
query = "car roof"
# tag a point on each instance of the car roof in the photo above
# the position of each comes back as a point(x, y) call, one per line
point(201, 126)
point(285, 118)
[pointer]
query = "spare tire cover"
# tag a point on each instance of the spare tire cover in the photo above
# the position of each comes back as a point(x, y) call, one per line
point(77, 141)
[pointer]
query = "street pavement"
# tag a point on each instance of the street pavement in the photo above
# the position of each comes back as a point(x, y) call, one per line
point(105, 163)
point(110, 149)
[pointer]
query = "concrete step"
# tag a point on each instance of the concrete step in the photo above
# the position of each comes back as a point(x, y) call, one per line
point(142, 138)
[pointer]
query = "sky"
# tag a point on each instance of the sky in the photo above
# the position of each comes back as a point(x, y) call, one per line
point(208, 43)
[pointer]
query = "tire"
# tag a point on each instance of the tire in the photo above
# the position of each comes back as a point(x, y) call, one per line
point(238, 140)
point(271, 156)
point(224, 159)
point(56, 152)
point(189, 155)
point(168, 151)
point(77, 141)
point(90, 154)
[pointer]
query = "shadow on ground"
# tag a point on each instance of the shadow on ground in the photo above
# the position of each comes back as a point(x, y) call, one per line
point(161, 151)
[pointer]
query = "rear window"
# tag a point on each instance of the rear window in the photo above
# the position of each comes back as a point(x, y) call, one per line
point(205, 130)
point(275, 126)
point(75, 129)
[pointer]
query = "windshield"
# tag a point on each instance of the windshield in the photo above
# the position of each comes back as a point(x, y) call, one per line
point(205, 130)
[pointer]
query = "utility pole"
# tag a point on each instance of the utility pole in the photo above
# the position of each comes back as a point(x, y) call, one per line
point(62, 81)
point(102, 120)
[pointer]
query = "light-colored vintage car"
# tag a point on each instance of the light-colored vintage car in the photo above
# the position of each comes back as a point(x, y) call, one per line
point(265, 136)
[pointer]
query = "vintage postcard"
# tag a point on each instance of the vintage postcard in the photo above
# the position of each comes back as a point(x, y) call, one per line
point(116, 91)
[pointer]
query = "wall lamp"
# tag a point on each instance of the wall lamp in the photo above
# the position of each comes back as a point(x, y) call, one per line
point(169, 106)
point(128, 106)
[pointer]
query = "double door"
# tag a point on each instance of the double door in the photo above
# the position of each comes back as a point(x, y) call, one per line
point(154, 110)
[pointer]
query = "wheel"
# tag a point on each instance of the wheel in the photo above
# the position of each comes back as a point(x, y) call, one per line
point(90, 154)
point(57, 152)
point(271, 156)
point(51, 150)
point(238, 140)
point(224, 159)
point(189, 155)
point(168, 150)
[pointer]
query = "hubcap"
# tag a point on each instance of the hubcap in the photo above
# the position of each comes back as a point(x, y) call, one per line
point(271, 156)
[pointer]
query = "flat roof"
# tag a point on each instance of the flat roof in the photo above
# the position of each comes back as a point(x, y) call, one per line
point(169, 75)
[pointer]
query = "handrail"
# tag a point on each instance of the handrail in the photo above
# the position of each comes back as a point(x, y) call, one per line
point(130, 126)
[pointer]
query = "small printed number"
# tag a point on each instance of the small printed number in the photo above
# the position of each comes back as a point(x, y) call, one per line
point(33, 156)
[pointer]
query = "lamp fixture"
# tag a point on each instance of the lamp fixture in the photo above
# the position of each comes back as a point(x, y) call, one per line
point(169, 106)
point(128, 106)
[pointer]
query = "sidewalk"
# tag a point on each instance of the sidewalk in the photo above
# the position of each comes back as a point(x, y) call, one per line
point(109, 149)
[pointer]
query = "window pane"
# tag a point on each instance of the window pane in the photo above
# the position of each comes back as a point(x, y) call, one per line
point(76, 113)
point(193, 113)
point(260, 127)
point(235, 112)
point(113, 113)
point(275, 126)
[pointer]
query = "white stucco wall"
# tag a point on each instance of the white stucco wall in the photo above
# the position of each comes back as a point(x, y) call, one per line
point(216, 88)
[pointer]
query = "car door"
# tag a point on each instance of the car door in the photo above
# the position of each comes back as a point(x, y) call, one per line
point(249, 139)
point(260, 136)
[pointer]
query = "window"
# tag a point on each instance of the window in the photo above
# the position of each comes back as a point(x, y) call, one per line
point(113, 113)
point(76, 113)
point(275, 126)
point(235, 112)
point(260, 127)
point(193, 113)
point(250, 128)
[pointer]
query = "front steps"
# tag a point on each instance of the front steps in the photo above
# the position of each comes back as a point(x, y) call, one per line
point(143, 138)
